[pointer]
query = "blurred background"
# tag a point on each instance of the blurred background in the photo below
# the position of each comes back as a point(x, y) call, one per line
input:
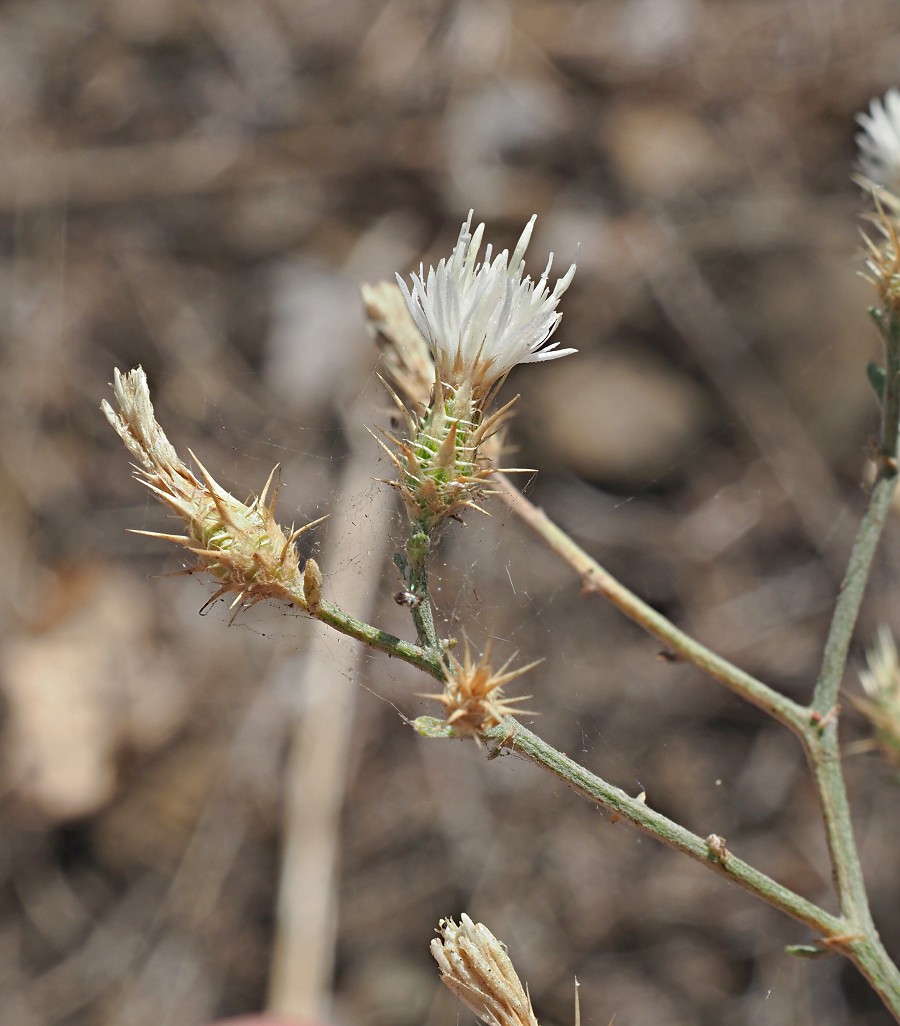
point(200, 186)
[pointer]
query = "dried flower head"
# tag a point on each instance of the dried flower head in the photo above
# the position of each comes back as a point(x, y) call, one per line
point(405, 355)
point(881, 681)
point(481, 319)
point(476, 967)
point(879, 142)
point(241, 545)
point(473, 697)
point(882, 254)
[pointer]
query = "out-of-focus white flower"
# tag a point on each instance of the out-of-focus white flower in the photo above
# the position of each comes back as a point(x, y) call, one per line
point(881, 681)
point(481, 319)
point(882, 675)
point(879, 141)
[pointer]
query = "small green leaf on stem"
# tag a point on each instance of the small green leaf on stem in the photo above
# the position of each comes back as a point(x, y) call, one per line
point(430, 726)
point(807, 950)
point(876, 375)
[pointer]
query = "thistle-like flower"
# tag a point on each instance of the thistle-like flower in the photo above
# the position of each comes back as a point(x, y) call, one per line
point(473, 697)
point(475, 966)
point(879, 142)
point(481, 319)
point(241, 545)
point(881, 682)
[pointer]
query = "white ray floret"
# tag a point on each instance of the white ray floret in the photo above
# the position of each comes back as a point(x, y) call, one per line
point(481, 319)
point(879, 141)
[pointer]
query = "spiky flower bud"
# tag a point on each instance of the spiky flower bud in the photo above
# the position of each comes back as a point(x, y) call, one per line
point(443, 460)
point(475, 966)
point(473, 697)
point(241, 545)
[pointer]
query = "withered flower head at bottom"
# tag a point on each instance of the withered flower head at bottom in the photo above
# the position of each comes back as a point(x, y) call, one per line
point(241, 545)
point(476, 967)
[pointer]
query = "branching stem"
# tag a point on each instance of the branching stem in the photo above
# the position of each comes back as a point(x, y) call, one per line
point(839, 933)
point(816, 725)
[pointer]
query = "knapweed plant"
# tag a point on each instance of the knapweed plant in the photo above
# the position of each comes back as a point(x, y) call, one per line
point(451, 336)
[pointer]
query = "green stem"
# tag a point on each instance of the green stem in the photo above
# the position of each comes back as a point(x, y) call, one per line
point(839, 933)
point(512, 735)
point(824, 757)
point(821, 741)
point(417, 550)
point(596, 579)
point(846, 611)
point(426, 660)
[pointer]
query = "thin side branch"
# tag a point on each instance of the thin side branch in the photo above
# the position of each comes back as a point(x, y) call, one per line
point(427, 661)
point(517, 738)
point(841, 934)
point(598, 580)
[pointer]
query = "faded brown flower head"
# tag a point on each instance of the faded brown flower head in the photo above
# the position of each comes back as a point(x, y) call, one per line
point(881, 681)
point(476, 967)
point(882, 253)
point(241, 545)
point(473, 697)
point(405, 355)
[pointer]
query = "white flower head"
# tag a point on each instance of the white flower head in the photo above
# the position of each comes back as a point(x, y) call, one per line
point(879, 141)
point(481, 319)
